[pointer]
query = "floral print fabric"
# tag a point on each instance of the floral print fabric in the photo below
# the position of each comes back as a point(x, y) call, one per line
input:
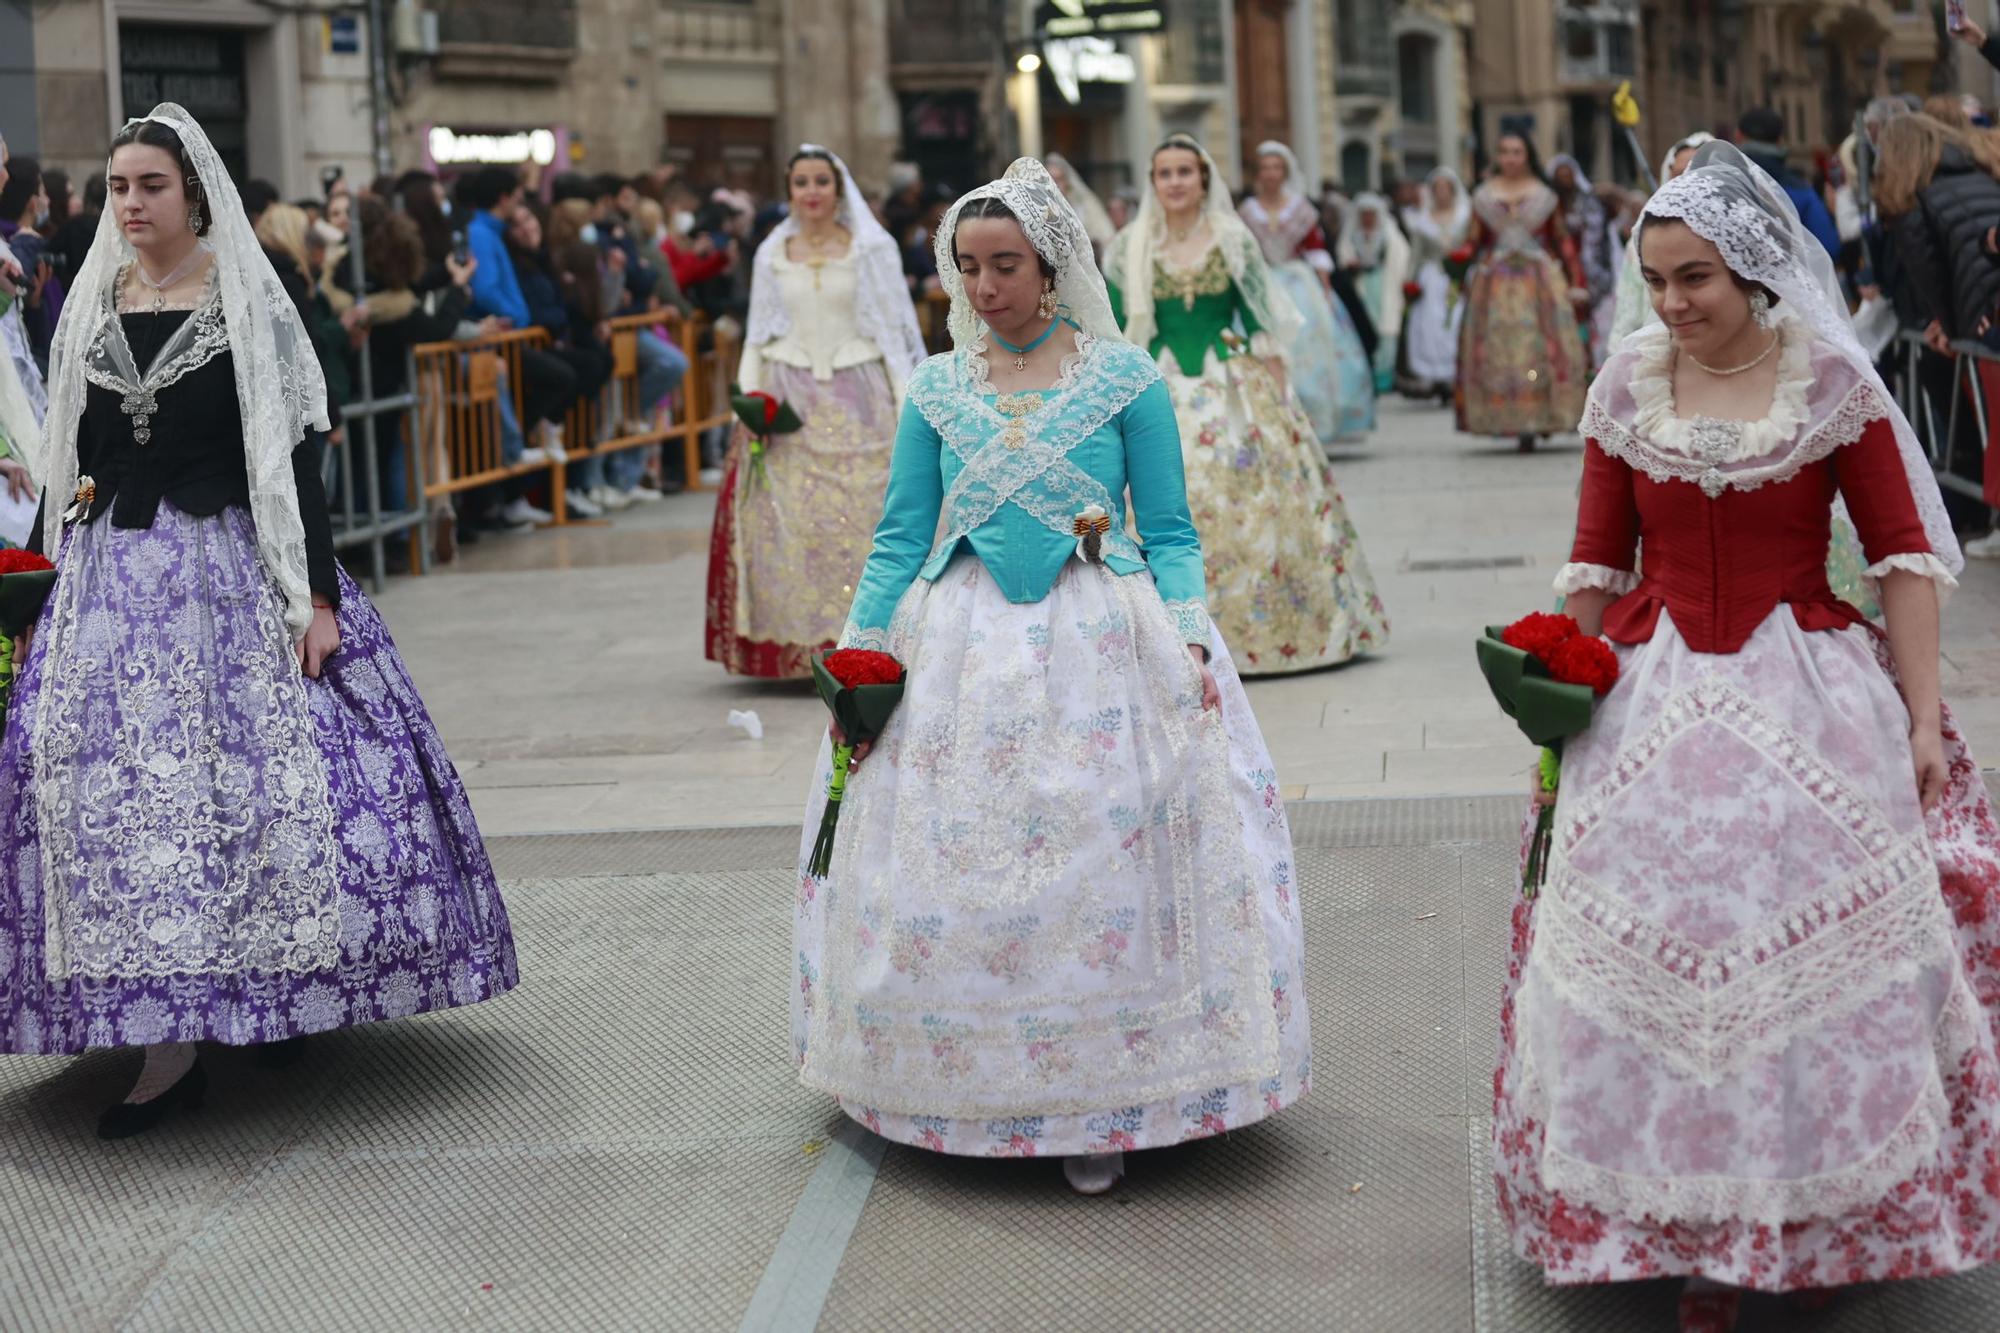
point(170, 623)
point(1288, 585)
point(1061, 915)
point(1741, 831)
point(787, 548)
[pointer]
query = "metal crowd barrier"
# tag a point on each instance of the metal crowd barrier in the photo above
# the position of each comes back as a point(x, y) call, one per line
point(597, 427)
point(455, 443)
point(1966, 395)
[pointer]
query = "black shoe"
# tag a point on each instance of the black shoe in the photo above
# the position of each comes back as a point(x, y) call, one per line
point(280, 1054)
point(1526, 444)
point(128, 1118)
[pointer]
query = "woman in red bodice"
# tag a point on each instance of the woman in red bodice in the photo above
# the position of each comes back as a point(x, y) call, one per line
point(1749, 1030)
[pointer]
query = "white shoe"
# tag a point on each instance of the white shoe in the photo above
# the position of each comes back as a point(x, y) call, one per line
point(610, 499)
point(580, 505)
point(643, 494)
point(533, 456)
point(552, 440)
point(518, 510)
point(1984, 548)
point(1096, 1173)
point(711, 476)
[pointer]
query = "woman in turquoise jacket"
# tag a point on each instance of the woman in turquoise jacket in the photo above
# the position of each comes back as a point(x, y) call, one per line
point(1061, 917)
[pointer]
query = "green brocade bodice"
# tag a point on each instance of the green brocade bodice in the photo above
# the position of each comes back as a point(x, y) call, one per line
point(1192, 310)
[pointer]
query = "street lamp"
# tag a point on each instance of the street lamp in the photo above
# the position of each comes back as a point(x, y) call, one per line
point(1028, 62)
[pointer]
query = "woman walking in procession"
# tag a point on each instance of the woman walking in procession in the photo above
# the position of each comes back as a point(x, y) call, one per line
point(1437, 227)
point(1330, 370)
point(1749, 1031)
point(1373, 251)
point(1061, 917)
point(1287, 582)
point(1522, 368)
point(833, 334)
point(227, 815)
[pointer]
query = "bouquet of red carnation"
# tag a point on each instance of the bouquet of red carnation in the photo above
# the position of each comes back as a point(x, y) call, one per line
point(1547, 675)
point(25, 580)
point(860, 688)
point(1459, 263)
point(764, 416)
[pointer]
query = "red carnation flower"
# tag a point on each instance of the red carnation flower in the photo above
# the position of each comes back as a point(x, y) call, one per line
point(860, 666)
point(770, 406)
point(1462, 255)
point(1539, 634)
point(1585, 660)
point(1413, 290)
point(17, 561)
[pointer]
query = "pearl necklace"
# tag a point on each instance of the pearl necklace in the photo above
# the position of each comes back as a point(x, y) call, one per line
point(1751, 364)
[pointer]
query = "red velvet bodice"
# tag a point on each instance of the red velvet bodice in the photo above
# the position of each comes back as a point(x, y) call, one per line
point(1720, 565)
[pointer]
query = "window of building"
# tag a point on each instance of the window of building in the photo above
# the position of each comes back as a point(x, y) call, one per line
point(1416, 77)
point(1354, 162)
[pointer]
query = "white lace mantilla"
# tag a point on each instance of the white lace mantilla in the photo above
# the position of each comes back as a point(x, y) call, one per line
point(1016, 447)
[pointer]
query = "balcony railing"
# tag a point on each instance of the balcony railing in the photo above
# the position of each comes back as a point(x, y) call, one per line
point(945, 32)
point(719, 29)
point(549, 24)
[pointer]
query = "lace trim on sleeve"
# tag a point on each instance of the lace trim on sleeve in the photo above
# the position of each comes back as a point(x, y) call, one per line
point(1191, 619)
point(1913, 562)
point(1577, 577)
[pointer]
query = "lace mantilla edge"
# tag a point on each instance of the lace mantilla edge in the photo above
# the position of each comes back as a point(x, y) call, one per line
point(1575, 577)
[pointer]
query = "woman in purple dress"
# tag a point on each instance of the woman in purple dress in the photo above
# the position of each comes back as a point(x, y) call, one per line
point(224, 814)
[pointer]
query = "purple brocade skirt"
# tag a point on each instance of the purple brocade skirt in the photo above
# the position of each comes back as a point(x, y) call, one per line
point(197, 843)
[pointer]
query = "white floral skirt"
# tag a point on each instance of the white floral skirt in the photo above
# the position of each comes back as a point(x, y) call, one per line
point(1749, 1031)
point(1062, 912)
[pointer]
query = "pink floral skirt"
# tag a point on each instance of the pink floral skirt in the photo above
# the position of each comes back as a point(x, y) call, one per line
point(1786, 1187)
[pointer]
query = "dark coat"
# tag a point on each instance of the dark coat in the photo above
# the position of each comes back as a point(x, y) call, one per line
point(1940, 244)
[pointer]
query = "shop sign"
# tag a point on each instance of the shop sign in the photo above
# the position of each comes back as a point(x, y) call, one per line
point(1060, 19)
point(450, 147)
point(1075, 61)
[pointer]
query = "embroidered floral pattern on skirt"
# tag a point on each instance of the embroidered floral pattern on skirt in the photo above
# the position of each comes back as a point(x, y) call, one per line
point(787, 549)
point(202, 845)
point(1062, 913)
point(1522, 368)
point(1748, 1029)
point(1288, 585)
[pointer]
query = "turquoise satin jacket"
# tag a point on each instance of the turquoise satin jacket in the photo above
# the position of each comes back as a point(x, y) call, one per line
point(1008, 474)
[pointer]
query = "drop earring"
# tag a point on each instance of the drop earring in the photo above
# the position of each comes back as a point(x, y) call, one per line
point(1760, 309)
point(1049, 305)
point(194, 208)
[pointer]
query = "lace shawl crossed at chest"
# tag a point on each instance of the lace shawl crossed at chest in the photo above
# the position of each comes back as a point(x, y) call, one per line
point(1015, 449)
point(111, 365)
point(1817, 407)
point(1515, 224)
point(1280, 235)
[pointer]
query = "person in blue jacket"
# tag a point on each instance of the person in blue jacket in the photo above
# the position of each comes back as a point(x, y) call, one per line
point(1061, 917)
point(1760, 133)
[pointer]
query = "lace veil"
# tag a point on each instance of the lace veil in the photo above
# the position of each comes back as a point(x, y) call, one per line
point(882, 309)
point(1057, 233)
point(1096, 218)
point(1732, 203)
point(1129, 262)
point(1461, 208)
point(279, 389)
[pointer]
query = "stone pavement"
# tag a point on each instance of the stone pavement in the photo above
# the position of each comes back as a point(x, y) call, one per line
point(621, 1144)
